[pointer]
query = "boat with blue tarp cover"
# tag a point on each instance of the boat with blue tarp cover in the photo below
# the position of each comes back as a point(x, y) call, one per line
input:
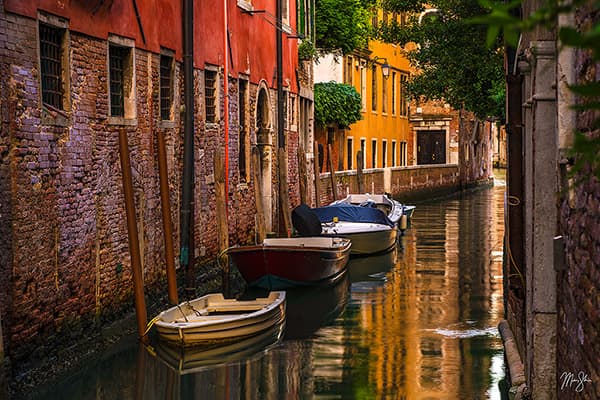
point(369, 229)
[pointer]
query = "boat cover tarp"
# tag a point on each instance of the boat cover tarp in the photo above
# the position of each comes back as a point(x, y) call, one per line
point(351, 213)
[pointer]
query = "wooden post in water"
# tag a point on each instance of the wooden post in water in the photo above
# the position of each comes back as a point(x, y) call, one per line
point(317, 175)
point(140, 372)
point(222, 225)
point(134, 246)
point(165, 204)
point(359, 172)
point(284, 202)
point(302, 176)
point(261, 231)
point(332, 170)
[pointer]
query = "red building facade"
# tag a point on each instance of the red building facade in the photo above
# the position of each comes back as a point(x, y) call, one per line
point(76, 73)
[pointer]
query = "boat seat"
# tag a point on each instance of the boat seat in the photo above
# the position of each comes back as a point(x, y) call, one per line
point(306, 221)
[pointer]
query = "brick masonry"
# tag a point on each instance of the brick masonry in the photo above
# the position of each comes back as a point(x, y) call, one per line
point(578, 347)
point(65, 263)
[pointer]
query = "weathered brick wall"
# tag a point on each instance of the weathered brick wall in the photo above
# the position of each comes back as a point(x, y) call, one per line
point(578, 347)
point(70, 258)
point(7, 28)
point(64, 257)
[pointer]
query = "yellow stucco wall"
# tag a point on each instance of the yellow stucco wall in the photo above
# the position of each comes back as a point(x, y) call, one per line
point(381, 123)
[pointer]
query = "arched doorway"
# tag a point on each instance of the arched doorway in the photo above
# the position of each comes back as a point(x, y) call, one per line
point(264, 142)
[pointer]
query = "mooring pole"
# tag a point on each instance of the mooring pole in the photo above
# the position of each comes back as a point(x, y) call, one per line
point(166, 214)
point(302, 175)
point(221, 209)
point(359, 172)
point(132, 233)
point(332, 171)
point(261, 230)
point(317, 174)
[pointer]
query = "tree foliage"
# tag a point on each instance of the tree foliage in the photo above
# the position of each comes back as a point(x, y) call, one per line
point(336, 103)
point(453, 61)
point(342, 25)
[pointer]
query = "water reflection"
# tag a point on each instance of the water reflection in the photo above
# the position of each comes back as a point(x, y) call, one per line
point(416, 323)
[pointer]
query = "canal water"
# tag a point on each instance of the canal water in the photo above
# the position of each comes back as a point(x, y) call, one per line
point(416, 323)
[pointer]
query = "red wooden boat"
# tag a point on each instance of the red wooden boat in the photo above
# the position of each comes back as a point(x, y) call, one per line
point(281, 263)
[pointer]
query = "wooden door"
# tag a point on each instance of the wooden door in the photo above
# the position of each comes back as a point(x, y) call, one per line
point(431, 147)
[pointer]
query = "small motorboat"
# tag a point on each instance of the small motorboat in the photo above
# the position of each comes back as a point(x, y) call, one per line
point(280, 263)
point(392, 208)
point(369, 229)
point(213, 319)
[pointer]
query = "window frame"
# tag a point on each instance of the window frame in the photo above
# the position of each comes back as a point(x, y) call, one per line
point(350, 152)
point(373, 153)
point(394, 152)
point(374, 88)
point(167, 54)
point(244, 129)
point(393, 95)
point(214, 73)
point(127, 46)
point(52, 115)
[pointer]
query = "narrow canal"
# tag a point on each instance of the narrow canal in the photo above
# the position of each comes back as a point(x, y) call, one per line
point(416, 323)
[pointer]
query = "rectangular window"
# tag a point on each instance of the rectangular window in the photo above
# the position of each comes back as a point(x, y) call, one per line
point(384, 153)
point(118, 59)
point(51, 54)
point(374, 88)
point(121, 80)
point(363, 88)
point(403, 154)
point(210, 95)
point(285, 13)
point(349, 153)
point(403, 105)
point(363, 149)
point(374, 153)
point(394, 153)
point(244, 138)
point(166, 87)
point(348, 72)
point(384, 93)
point(394, 101)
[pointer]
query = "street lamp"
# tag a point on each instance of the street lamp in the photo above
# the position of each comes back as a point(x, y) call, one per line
point(385, 69)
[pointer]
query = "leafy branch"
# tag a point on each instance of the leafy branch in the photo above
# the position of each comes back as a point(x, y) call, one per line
point(336, 103)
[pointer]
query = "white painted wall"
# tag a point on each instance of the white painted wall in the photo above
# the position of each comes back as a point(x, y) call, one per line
point(327, 69)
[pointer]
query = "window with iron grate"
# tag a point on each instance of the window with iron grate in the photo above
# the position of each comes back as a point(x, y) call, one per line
point(210, 95)
point(166, 87)
point(51, 43)
point(117, 60)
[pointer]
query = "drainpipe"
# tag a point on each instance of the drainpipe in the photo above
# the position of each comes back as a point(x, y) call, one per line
point(187, 189)
point(280, 98)
point(226, 102)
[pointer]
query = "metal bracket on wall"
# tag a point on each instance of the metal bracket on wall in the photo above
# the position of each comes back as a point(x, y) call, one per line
point(559, 254)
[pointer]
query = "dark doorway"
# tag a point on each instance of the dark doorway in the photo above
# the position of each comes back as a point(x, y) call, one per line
point(431, 147)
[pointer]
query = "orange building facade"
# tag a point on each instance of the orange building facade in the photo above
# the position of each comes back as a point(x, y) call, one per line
point(383, 134)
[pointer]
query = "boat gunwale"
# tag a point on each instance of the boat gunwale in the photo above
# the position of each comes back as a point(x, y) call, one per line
point(270, 306)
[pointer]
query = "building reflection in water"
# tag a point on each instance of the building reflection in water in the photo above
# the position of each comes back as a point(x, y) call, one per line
point(419, 323)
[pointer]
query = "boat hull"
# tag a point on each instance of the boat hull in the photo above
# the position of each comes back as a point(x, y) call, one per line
point(213, 319)
point(364, 243)
point(286, 264)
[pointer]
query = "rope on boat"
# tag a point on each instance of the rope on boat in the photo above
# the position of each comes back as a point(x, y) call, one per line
point(221, 254)
point(182, 313)
point(150, 324)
